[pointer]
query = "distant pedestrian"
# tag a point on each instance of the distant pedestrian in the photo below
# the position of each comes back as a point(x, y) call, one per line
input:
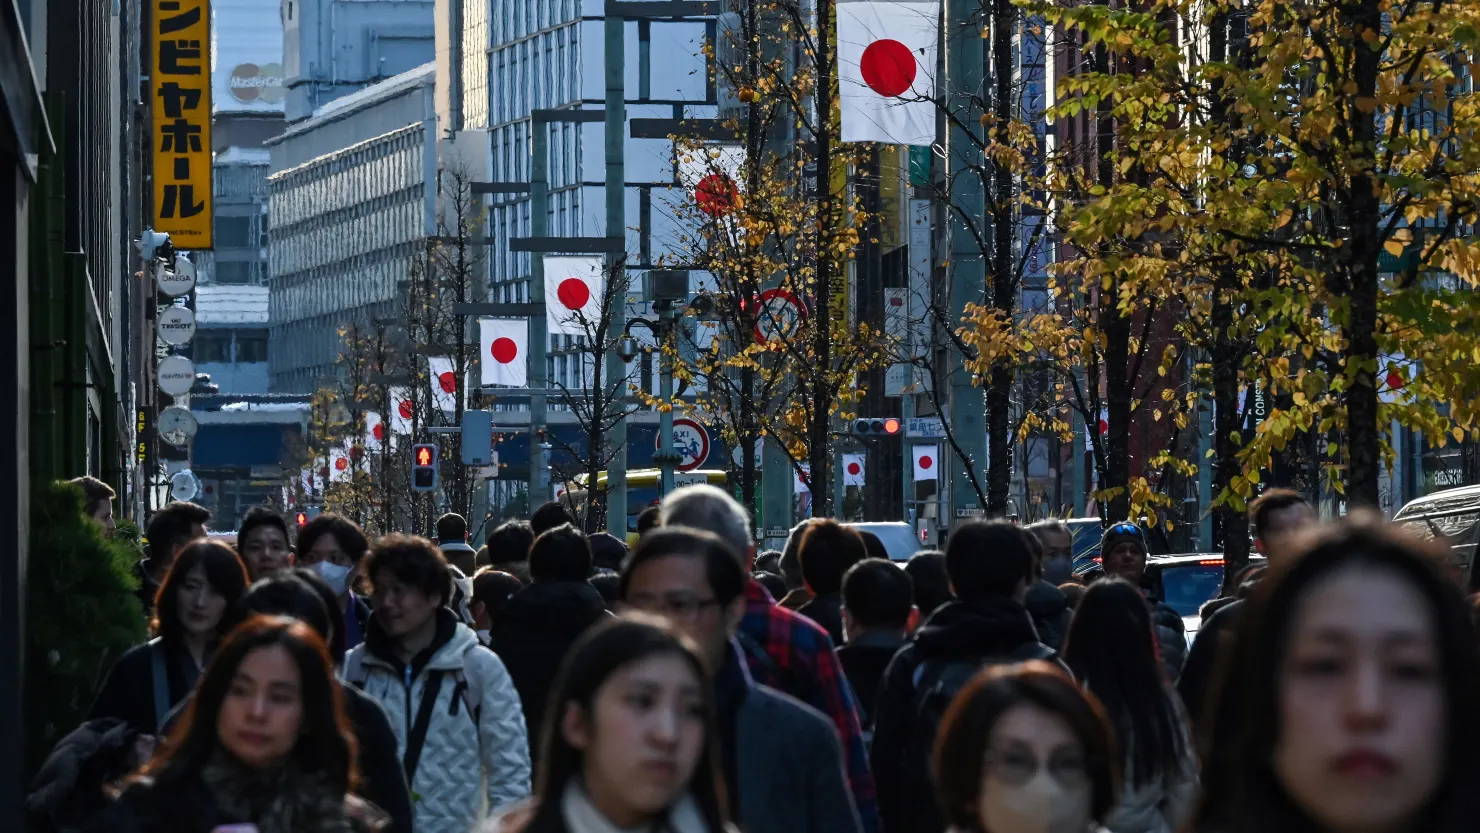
point(1346, 700)
point(508, 548)
point(791, 568)
point(775, 585)
point(1046, 603)
point(459, 726)
point(1123, 549)
point(1058, 550)
point(334, 547)
point(769, 561)
point(98, 501)
point(927, 569)
point(607, 551)
point(647, 520)
point(827, 550)
point(266, 746)
point(782, 760)
point(541, 622)
point(549, 516)
point(632, 743)
point(873, 545)
point(262, 539)
point(609, 585)
point(171, 528)
point(990, 565)
point(1111, 650)
point(452, 539)
point(204, 581)
point(876, 613)
point(783, 650)
point(1024, 750)
point(492, 590)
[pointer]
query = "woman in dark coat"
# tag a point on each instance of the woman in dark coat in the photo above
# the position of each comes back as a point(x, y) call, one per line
point(264, 745)
point(205, 581)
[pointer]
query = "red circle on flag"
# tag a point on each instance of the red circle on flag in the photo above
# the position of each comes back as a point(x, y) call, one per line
point(448, 382)
point(926, 461)
point(505, 350)
point(1395, 380)
point(715, 195)
point(378, 432)
point(1104, 427)
point(573, 292)
point(854, 468)
point(341, 464)
point(404, 409)
point(888, 67)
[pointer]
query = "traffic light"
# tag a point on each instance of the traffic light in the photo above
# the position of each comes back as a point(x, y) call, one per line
point(300, 519)
point(424, 467)
point(477, 438)
point(876, 427)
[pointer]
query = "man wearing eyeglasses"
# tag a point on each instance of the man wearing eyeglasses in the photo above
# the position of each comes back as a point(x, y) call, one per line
point(782, 761)
point(1123, 554)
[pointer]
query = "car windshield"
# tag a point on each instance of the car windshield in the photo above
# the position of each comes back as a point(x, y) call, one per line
point(1187, 587)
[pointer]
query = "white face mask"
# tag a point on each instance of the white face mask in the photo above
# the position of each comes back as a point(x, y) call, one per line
point(336, 576)
point(1043, 805)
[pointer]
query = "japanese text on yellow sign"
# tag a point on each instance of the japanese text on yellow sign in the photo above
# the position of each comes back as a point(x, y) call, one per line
point(180, 79)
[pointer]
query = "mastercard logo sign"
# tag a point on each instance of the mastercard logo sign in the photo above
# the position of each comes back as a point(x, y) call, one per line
point(250, 82)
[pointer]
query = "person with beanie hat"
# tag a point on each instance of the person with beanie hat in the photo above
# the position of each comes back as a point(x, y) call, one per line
point(1123, 555)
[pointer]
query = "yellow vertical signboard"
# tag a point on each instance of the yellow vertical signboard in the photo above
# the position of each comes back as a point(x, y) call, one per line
point(180, 84)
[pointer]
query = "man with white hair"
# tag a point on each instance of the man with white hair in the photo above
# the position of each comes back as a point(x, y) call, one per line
point(784, 650)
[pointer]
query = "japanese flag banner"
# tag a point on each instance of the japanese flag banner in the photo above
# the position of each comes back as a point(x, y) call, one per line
point(339, 468)
point(886, 70)
point(711, 176)
point(374, 431)
point(853, 469)
point(402, 410)
point(505, 357)
point(927, 462)
point(573, 290)
point(443, 383)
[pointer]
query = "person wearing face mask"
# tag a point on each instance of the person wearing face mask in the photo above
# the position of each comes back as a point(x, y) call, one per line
point(334, 547)
point(262, 541)
point(265, 747)
point(1057, 539)
point(1045, 602)
point(1022, 749)
point(204, 581)
point(1346, 700)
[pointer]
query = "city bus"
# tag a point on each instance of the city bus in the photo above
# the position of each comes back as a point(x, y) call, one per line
point(642, 491)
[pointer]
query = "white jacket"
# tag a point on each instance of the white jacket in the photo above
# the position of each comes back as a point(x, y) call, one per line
point(461, 775)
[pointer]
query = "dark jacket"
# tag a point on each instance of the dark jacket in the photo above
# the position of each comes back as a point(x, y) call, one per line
point(1049, 608)
point(984, 630)
point(864, 661)
point(1171, 637)
point(190, 808)
point(1202, 659)
point(533, 634)
point(128, 693)
point(382, 782)
point(69, 789)
point(148, 587)
point(782, 760)
point(827, 611)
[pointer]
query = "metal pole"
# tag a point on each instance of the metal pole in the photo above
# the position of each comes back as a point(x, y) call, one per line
point(539, 336)
point(666, 453)
point(616, 226)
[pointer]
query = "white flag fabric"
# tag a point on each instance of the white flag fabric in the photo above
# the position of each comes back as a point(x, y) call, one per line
point(443, 383)
point(402, 409)
point(374, 431)
point(927, 462)
point(573, 291)
point(853, 469)
point(339, 469)
point(802, 486)
point(505, 358)
point(886, 70)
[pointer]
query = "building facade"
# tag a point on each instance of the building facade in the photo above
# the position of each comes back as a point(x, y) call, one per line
point(332, 48)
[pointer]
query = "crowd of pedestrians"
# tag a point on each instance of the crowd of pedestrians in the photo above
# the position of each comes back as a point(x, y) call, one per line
point(552, 681)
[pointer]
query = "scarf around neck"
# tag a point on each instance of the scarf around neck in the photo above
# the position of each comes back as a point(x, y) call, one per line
point(282, 800)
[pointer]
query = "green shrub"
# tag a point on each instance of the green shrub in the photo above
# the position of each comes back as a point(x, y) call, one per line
point(81, 614)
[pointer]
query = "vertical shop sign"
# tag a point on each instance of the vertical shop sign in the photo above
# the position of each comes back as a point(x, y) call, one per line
point(180, 86)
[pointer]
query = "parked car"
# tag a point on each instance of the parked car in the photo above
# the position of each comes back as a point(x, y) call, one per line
point(1452, 516)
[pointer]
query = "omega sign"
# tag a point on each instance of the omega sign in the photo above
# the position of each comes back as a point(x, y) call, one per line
point(176, 325)
point(250, 82)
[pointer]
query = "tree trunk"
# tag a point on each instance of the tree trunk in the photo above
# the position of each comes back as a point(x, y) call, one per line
point(1004, 283)
point(1117, 328)
point(755, 144)
point(819, 428)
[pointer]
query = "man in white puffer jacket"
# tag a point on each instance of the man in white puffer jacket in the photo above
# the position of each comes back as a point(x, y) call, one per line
point(457, 717)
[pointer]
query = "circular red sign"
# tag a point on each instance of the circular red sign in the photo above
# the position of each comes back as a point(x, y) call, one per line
point(378, 432)
point(716, 195)
point(448, 382)
point(888, 67)
point(574, 293)
point(404, 409)
point(925, 461)
point(854, 468)
point(341, 463)
point(1395, 380)
point(779, 314)
point(505, 350)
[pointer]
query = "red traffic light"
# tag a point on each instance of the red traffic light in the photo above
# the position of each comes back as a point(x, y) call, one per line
point(301, 518)
point(891, 426)
point(423, 456)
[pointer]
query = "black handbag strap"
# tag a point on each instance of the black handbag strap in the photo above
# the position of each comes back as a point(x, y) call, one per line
point(418, 736)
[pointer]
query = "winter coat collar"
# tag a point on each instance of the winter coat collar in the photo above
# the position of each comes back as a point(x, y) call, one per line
point(984, 627)
point(878, 639)
point(581, 816)
point(453, 639)
point(560, 606)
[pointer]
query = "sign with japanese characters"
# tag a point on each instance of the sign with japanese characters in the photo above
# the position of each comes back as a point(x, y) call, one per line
point(180, 86)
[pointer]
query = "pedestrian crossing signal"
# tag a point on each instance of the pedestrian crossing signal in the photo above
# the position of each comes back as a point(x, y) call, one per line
point(301, 519)
point(424, 467)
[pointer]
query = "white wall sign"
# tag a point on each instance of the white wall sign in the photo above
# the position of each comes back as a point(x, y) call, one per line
point(176, 326)
point(178, 279)
point(176, 375)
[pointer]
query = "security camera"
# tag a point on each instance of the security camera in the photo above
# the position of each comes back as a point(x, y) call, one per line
point(627, 348)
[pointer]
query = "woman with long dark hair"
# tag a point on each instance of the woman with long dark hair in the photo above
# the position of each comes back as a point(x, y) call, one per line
point(629, 740)
point(264, 742)
point(203, 583)
point(1347, 701)
point(1022, 749)
point(1111, 648)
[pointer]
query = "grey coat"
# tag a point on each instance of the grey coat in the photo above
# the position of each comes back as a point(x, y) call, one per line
point(790, 767)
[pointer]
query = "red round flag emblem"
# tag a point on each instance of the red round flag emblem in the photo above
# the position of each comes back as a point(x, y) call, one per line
point(888, 67)
point(341, 463)
point(926, 461)
point(448, 382)
point(505, 350)
point(378, 432)
point(404, 409)
point(574, 293)
point(716, 195)
point(854, 468)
